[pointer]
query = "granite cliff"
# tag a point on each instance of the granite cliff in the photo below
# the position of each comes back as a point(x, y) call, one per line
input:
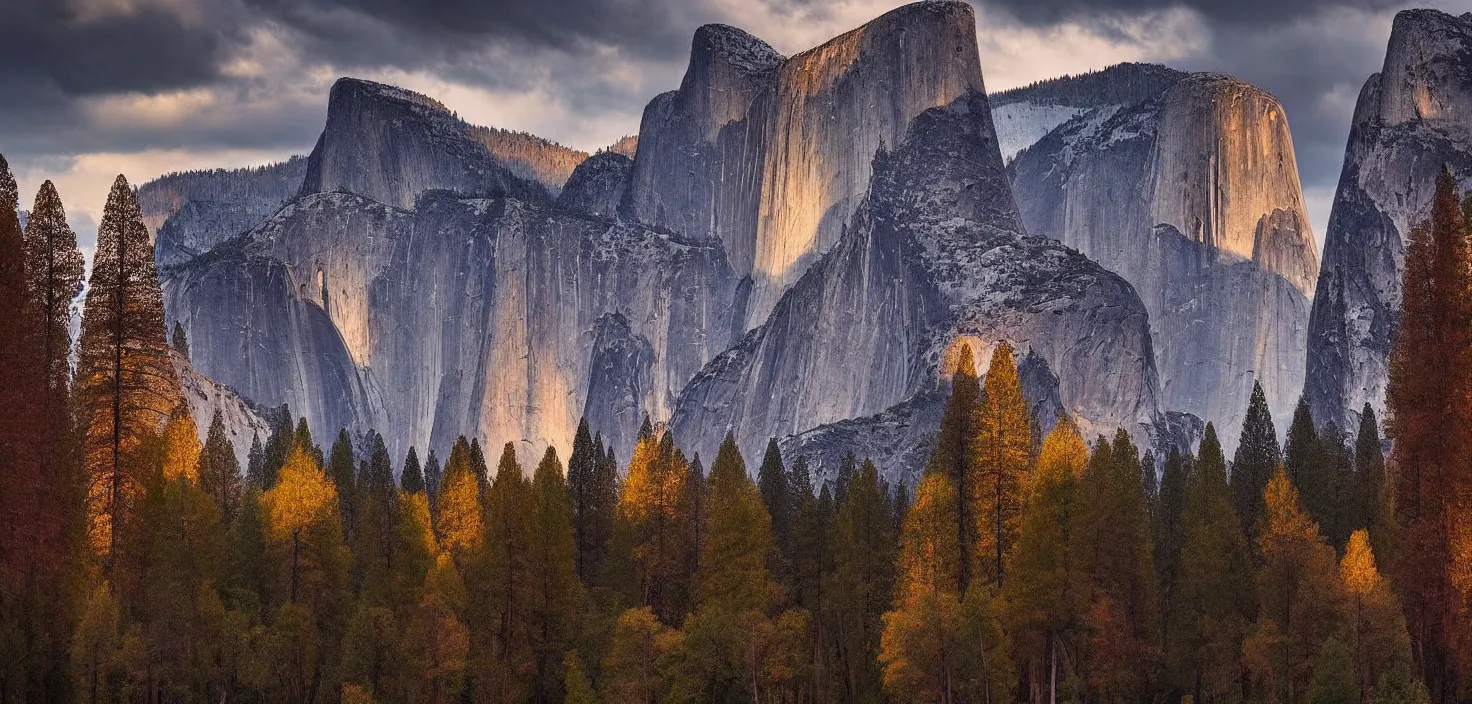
point(1411, 119)
point(1193, 196)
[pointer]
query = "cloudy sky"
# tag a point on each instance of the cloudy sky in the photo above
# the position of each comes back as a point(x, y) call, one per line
point(92, 88)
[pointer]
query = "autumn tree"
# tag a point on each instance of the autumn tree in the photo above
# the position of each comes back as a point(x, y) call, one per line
point(1299, 590)
point(1257, 454)
point(1430, 381)
point(1002, 454)
point(125, 381)
point(1375, 625)
point(458, 508)
point(1048, 595)
point(953, 454)
point(634, 667)
point(181, 446)
point(649, 501)
point(301, 515)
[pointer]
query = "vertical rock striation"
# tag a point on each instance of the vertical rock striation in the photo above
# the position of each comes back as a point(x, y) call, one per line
point(1412, 118)
point(773, 155)
point(1193, 196)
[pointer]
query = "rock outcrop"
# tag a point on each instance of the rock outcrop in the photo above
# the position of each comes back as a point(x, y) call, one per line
point(934, 255)
point(191, 212)
point(1193, 196)
point(773, 155)
point(597, 186)
point(1412, 118)
point(204, 395)
point(389, 144)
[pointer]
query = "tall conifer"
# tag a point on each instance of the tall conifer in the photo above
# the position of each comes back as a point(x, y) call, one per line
point(1002, 455)
point(1257, 454)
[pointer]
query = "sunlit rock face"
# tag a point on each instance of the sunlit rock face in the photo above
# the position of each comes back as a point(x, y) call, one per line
point(193, 211)
point(1411, 119)
point(773, 155)
point(597, 186)
point(1193, 196)
point(494, 317)
point(389, 144)
point(933, 255)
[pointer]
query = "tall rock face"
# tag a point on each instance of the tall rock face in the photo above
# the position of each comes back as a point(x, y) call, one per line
point(495, 317)
point(242, 423)
point(1412, 118)
point(773, 155)
point(191, 212)
point(934, 255)
point(1193, 196)
point(390, 144)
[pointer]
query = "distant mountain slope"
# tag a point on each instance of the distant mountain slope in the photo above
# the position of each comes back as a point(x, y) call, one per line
point(191, 211)
point(1023, 115)
point(530, 156)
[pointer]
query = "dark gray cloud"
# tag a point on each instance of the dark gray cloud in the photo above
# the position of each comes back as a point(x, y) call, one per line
point(1244, 12)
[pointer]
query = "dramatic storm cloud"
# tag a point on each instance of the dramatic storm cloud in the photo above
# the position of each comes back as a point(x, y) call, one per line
point(94, 87)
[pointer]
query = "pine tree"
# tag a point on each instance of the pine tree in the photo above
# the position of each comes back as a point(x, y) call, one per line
point(179, 340)
point(1170, 534)
point(219, 471)
point(411, 477)
point(278, 445)
point(55, 267)
point(1430, 379)
point(556, 593)
point(1257, 455)
point(593, 481)
point(1047, 596)
point(1311, 465)
point(848, 470)
point(953, 453)
point(776, 493)
point(1216, 597)
point(341, 469)
point(862, 582)
point(125, 380)
point(1372, 504)
point(1125, 644)
point(433, 477)
point(506, 664)
point(255, 467)
point(375, 524)
point(1002, 452)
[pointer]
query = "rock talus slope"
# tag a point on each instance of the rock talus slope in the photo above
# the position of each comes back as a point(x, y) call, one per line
point(1411, 119)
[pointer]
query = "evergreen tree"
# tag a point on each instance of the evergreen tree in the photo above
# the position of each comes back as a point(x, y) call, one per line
point(1333, 676)
point(1371, 500)
point(376, 521)
point(556, 593)
point(593, 480)
point(433, 477)
point(1124, 619)
point(278, 445)
point(953, 454)
point(1312, 465)
point(255, 467)
point(1430, 378)
point(179, 340)
point(650, 502)
point(1002, 452)
point(125, 381)
point(502, 645)
point(411, 477)
point(862, 583)
point(219, 471)
point(848, 470)
point(55, 267)
point(1216, 599)
point(1170, 536)
point(776, 491)
point(342, 470)
point(1257, 455)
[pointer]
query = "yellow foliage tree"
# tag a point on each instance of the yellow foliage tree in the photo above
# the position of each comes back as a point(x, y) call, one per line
point(181, 446)
point(636, 658)
point(1001, 459)
point(301, 497)
point(460, 525)
point(1377, 636)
